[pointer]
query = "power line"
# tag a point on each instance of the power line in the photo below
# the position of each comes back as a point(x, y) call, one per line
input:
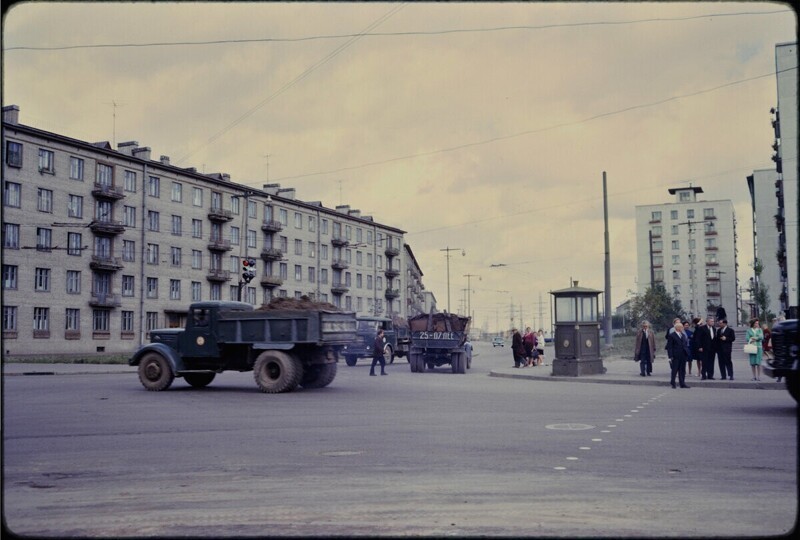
point(388, 34)
point(533, 131)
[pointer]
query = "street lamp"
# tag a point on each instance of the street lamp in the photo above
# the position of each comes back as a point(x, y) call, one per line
point(469, 290)
point(447, 251)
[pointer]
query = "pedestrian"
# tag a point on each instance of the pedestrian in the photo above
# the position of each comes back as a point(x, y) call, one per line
point(767, 343)
point(540, 345)
point(527, 343)
point(645, 349)
point(670, 331)
point(377, 354)
point(687, 329)
point(678, 350)
point(698, 324)
point(705, 346)
point(721, 313)
point(755, 335)
point(725, 338)
point(517, 348)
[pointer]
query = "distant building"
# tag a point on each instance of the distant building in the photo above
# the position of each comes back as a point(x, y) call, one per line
point(102, 245)
point(689, 246)
point(766, 242)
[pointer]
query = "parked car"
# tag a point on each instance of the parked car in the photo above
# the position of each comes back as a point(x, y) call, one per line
point(498, 342)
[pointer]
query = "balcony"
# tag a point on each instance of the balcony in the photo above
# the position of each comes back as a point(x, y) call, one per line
point(219, 215)
point(392, 272)
point(339, 288)
point(339, 241)
point(271, 281)
point(109, 264)
point(271, 254)
point(107, 227)
point(218, 244)
point(392, 251)
point(105, 300)
point(339, 264)
point(271, 226)
point(217, 275)
point(104, 191)
point(392, 293)
point(711, 233)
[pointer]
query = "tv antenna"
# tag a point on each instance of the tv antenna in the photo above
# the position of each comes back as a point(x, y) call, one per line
point(114, 104)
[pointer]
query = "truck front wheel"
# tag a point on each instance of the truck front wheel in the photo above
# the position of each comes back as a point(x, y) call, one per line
point(199, 380)
point(318, 375)
point(155, 372)
point(351, 360)
point(276, 371)
point(412, 362)
point(388, 354)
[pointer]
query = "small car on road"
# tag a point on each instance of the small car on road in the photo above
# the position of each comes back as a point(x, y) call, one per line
point(498, 342)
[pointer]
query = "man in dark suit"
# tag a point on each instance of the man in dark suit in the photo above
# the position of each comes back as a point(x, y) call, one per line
point(645, 349)
point(724, 344)
point(678, 351)
point(705, 346)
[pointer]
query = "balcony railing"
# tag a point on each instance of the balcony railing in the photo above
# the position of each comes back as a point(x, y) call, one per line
point(339, 288)
point(339, 264)
point(219, 215)
point(104, 191)
point(339, 241)
point(271, 281)
point(271, 226)
point(392, 251)
point(106, 300)
point(99, 262)
point(271, 254)
point(216, 274)
point(392, 293)
point(218, 244)
point(107, 227)
point(392, 272)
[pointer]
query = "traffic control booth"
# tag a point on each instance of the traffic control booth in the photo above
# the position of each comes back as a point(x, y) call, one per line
point(577, 332)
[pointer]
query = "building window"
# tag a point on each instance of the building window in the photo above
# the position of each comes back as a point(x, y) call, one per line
point(298, 247)
point(284, 271)
point(358, 281)
point(104, 211)
point(283, 216)
point(676, 274)
point(369, 260)
point(10, 236)
point(151, 320)
point(102, 246)
point(152, 253)
point(74, 244)
point(44, 200)
point(152, 287)
point(130, 181)
point(9, 277)
point(105, 175)
point(216, 200)
point(175, 258)
point(197, 196)
point(128, 283)
point(323, 252)
point(235, 236)
point(690, 213)
point(323, 275)
point(153, 220)
point(711, 258)
point(216, 232)
point(127, 322)
point(312, 224)
point(174, 289)
point(101, 320)
point(12, 194)
point(369, 282)
point(676, 244)
point(44, 239)
point(236, 207)
point(46, 161)
point(312, 249)
point(177, 192)
point(674, 229)
point(128, 250)
point(13, 154)
point(197, 259)
point(73, 282)
point(72, 320)
point(154, 186)
point(9, 319)
point(197, 289)
point(711, 243)
point(252, 209)
point(215, 293)
point(197, 228)
point(298, 220)
point(41, 319)
point(75, 206)
point(251, 238)
point(312, 274)
point(298, 272)
point(177, 225)
point(709, 227)
point(75, 168)
point(129, 216)
point(676, 259)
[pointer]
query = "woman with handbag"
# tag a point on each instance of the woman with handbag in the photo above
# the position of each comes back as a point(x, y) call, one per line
point(755, 337)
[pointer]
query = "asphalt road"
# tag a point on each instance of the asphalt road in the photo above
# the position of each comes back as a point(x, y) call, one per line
point(408, 454)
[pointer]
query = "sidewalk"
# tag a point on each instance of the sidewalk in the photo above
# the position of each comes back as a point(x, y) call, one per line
point(13, 368)
point(621, 370)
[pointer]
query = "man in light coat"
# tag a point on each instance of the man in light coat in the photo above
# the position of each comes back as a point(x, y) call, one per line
point(645, 349)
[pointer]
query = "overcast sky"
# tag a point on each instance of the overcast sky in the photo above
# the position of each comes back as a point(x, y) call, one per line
point(485, 127)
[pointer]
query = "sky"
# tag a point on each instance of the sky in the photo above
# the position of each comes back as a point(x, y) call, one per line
point(484, 127)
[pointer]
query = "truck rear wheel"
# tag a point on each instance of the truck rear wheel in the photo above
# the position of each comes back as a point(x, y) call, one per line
point(277, 371)
point(351, 360)
point(199, 380)
point(155, 372)
point(412, 362)
point(458, 363)
point(318, 375)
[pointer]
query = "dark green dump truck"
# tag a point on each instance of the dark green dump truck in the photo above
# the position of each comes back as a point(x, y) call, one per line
point(283, 347)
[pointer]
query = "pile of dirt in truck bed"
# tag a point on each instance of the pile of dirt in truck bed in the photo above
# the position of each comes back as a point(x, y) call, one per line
point(399, 321)
point(304, 303)
point(438, 321)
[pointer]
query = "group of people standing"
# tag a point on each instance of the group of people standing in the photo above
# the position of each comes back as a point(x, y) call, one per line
point(528, 349)
point(701, 341)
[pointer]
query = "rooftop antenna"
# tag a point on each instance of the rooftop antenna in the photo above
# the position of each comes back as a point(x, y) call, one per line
point(114, 104)
point(267, 157)
point(340, 192)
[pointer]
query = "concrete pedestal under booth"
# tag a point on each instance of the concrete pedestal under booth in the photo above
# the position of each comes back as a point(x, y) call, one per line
point(577, 332)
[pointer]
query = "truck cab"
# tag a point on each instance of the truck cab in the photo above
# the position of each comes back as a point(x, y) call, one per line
point(395, 340)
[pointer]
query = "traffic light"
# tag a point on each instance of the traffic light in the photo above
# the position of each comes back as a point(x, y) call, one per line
point(248, 269)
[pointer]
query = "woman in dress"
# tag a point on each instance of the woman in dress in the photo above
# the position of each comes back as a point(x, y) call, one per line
point(540, 345)
point(756, 336)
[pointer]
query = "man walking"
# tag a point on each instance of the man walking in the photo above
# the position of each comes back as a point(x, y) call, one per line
point(645, 350)
point(377, 354)
point(678, 350)
point(725, 338)
point(705, 346)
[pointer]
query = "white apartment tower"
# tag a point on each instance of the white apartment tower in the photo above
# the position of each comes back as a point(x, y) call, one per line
point(689, 246)
point(766, 238)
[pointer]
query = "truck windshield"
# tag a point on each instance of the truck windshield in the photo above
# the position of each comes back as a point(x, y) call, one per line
point(368, 325)
point(200, 317)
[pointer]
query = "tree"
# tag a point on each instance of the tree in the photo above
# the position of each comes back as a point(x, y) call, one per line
point(761, 293)
point(657, 306)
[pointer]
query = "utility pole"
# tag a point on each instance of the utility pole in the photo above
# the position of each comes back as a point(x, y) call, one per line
point(607, 309)
point(447, 251)
point(469, 291)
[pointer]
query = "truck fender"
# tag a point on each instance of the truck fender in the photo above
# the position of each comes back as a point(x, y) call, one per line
point(174, 359)
point(273, 346)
